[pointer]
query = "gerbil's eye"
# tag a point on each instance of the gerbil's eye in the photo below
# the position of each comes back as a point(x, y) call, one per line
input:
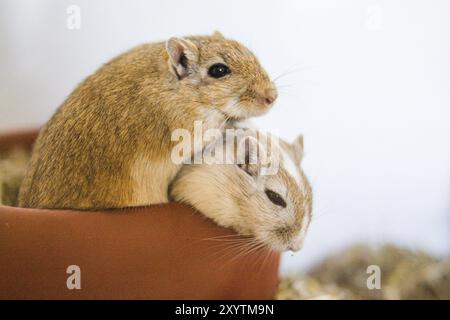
point(275, 198)
point(218, 70)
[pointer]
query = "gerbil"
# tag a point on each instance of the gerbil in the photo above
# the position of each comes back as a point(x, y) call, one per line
point(109, 144)
point(275, 208)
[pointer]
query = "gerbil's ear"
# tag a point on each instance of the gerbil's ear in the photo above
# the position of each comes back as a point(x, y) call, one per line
point(218, 35)
point(183, 54)
point(249, 148)
point(297, 147)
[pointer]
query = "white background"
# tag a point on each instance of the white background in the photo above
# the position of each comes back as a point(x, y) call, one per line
point(368, 83)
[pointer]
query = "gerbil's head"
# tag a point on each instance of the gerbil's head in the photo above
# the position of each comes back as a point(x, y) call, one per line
point(278, 207)
point(226, 76)
point(273, 208)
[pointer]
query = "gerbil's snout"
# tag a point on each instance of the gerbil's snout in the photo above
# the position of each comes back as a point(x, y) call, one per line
point(267, 96)
point(296, 245)
point(288, 238)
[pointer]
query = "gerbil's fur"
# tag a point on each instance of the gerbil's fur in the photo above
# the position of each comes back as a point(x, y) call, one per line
point(109, 144)
point(235, 196)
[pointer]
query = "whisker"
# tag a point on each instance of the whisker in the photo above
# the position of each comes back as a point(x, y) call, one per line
point(233, 248)
point(224, 239)
point(230, 255)
point(224, 236)
point(256, 246)
point(286, 73)
point(256, 261)
point(243, 248)
point(266, 258)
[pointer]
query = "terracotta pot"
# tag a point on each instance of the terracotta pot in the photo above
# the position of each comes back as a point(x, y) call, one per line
point(160, 252)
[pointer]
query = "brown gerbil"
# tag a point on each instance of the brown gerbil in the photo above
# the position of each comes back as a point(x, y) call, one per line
point(109, 144)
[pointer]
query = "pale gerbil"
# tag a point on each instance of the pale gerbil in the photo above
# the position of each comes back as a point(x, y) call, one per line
point(275, 209)
point(109, 144)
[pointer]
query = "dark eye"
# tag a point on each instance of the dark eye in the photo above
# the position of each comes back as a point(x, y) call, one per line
point(218, 70)
point(275, 198)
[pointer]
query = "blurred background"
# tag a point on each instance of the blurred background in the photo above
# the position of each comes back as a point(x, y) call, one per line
point(366, 81)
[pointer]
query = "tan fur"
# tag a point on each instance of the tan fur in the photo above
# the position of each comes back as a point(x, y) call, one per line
point(108, 145)
point(232, 198)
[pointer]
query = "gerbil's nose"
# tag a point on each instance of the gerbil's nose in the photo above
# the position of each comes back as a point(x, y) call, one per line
point(296, 245)
point(270, 96)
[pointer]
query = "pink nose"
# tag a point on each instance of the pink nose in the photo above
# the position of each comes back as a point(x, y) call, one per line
point(270, 97)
